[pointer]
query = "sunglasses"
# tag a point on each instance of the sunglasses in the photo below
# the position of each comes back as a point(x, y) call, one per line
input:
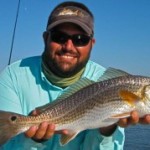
point(78, 40)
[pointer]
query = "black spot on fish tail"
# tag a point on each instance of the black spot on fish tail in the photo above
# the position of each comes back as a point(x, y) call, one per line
point(13, 118)
point(8, 126)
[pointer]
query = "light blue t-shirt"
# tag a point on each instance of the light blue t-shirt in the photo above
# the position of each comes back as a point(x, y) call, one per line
point(23, 87)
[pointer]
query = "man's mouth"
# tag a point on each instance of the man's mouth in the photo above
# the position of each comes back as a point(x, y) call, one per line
point(67, 56)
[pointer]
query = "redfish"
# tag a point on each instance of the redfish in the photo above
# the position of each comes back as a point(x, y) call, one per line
point(86, 105)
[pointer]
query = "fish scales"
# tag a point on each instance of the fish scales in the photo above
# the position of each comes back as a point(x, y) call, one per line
point(78, 96)
point(78, 109)
point(97, 104)
point(90, 104)
point(71, 105)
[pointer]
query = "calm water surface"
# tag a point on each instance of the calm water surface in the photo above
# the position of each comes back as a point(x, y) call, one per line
point(137, 138)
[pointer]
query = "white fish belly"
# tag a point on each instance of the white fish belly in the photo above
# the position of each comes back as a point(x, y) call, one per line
point(99, 116)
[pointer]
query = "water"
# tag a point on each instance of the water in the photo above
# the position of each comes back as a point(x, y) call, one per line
point(137, 137)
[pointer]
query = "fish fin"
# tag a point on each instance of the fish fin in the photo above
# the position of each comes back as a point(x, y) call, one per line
point(83, 82)
point(112, 73)
point(8, 129)
point(67, 92)
point(123, 115)
point(129, 97)
point(67, 138)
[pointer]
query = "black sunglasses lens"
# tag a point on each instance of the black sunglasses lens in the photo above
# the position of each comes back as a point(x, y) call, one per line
point(77, 39)
point(80, 40)
point(59, 37)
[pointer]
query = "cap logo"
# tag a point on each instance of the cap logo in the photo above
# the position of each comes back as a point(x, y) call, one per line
point(70, 12)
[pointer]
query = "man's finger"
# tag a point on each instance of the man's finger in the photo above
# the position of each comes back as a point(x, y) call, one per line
point(50, 131)
point(62, 132)
point(134, 118)
point(31, 132)
point(41, 131)
point(123, 122)
point(145, 120)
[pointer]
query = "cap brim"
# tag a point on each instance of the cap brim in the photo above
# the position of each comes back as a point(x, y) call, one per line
point(77, 22)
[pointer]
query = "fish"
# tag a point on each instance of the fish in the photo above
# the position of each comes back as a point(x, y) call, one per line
point(85, 105)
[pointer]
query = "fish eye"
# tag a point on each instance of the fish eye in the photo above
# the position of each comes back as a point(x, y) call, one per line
point(13, 118)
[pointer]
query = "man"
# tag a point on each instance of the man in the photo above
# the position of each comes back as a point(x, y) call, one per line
point(35, 81)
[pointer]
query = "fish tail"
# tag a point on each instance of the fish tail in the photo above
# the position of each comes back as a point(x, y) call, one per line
point(8, 126)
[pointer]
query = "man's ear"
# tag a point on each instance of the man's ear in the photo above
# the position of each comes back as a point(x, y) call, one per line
point(93, 41)
point(45, 37)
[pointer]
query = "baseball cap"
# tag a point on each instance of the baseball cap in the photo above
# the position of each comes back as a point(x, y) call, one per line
point(72, 12)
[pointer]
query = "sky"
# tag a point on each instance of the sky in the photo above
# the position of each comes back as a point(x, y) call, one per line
point(122, 32)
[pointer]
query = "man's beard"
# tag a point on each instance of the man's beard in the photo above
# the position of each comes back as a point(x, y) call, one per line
point(56, 68)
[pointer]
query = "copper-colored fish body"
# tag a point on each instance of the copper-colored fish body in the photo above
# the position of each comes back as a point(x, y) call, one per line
point(86, 105)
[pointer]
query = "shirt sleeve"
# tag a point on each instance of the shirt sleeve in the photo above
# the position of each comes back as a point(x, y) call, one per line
point(9, 99)
point(95, 141)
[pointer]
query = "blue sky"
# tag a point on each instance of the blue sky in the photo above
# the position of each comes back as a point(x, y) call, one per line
point(122, 31)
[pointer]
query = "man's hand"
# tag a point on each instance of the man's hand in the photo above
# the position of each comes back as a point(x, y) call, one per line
point(42, 132)
point(134, 119)
point(125, 122)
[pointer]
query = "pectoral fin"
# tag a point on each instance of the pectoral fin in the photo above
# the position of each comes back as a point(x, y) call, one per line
point(129, 97)
point(67, 138)
point(123, 115)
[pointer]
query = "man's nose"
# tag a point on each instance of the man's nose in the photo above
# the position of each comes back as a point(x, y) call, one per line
point(68, 44)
